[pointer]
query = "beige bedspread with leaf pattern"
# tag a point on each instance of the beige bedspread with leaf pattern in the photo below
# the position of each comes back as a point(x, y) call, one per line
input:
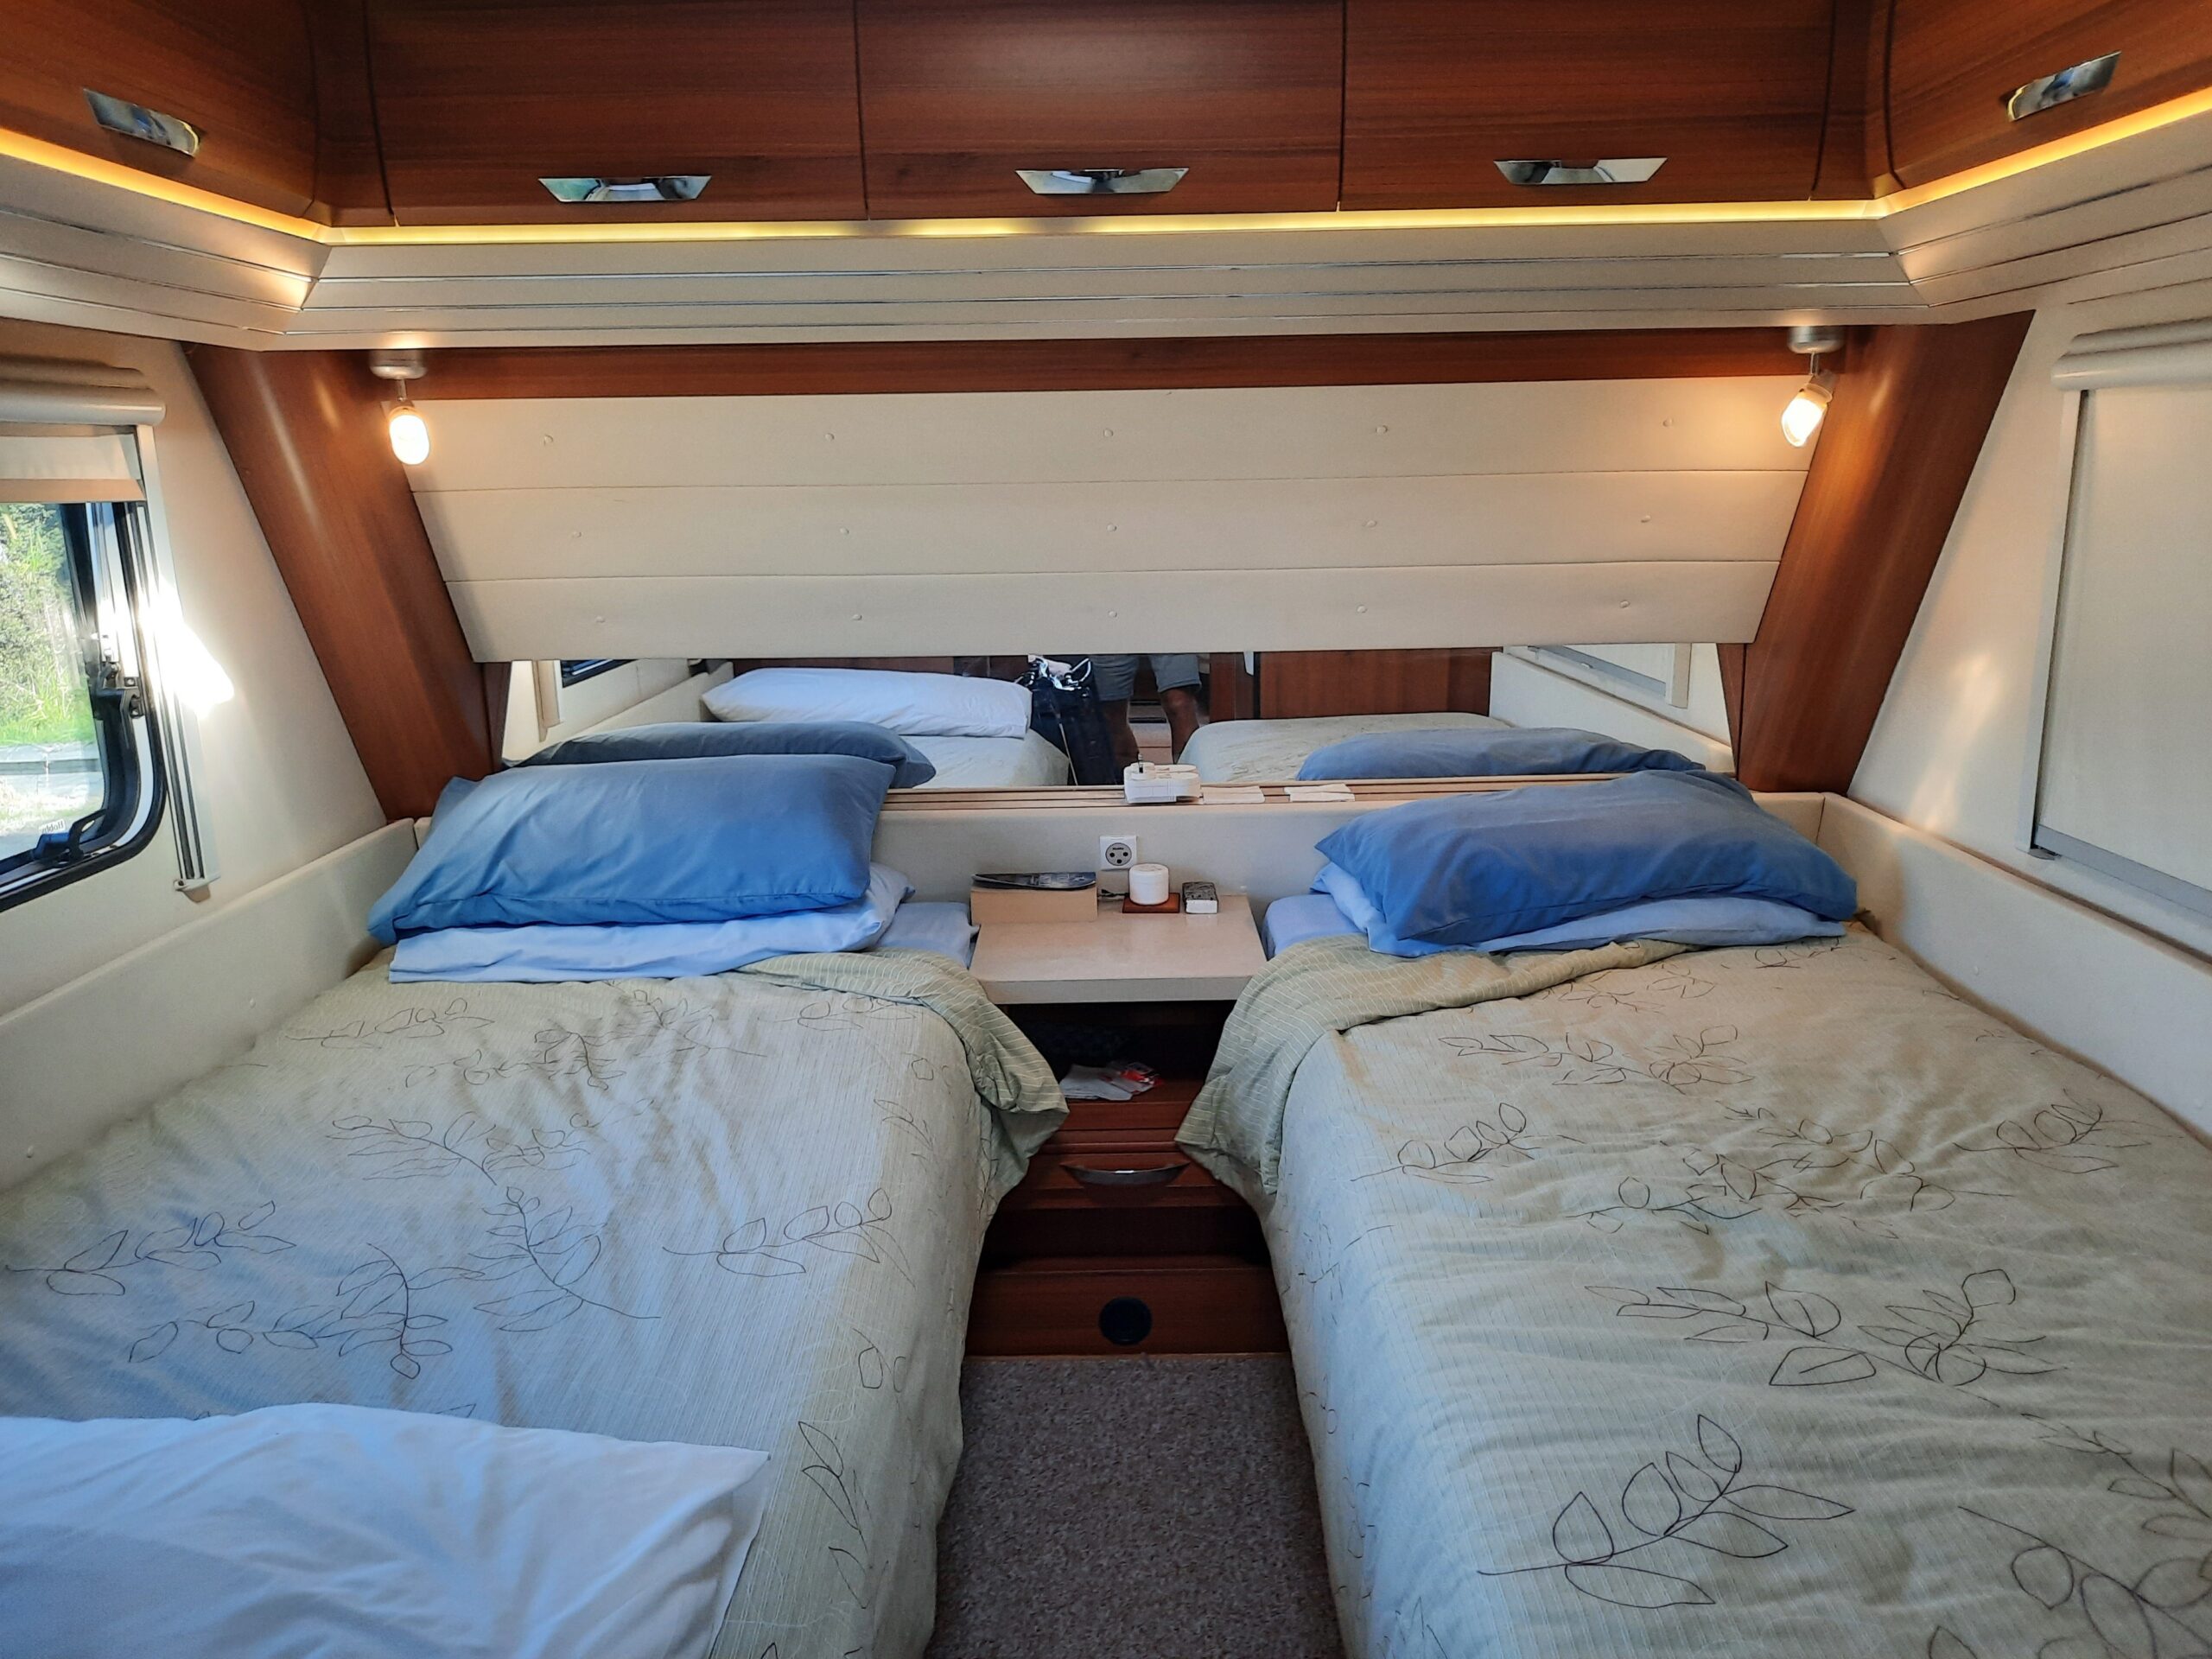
point(1746, 1302)
point(738, 1211)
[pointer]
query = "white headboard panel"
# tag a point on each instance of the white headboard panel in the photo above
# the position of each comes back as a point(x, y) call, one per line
point(1261, 519)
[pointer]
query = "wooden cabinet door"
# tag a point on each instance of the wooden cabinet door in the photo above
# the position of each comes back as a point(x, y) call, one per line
point(958, 94)
point(1953, 64)
point(1437, 93)
point(477, 100)
point(236, 71)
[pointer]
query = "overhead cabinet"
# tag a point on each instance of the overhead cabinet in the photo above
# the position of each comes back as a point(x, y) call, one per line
point(1971, 81)
point(1026, 107)
point(215, 93)
point(651, 109)
point(1483, 103)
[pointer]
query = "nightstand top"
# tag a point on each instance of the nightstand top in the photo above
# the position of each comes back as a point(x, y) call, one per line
point(1120, 959)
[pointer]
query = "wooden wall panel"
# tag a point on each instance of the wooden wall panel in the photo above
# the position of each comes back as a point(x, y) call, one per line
point(1295, 684)
point(349, 164)
point(1101, 365)
point(305, 431)
point(1899, 446)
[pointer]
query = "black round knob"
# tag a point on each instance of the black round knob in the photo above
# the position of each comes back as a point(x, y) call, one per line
point(1125, 1321)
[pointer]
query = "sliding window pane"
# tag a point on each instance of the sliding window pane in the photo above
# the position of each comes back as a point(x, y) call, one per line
point(51, 773)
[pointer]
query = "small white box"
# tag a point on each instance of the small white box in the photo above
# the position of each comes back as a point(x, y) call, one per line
point(1145, 785)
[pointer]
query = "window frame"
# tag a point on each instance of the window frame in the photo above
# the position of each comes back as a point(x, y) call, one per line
point(102, 540)
point(587, 668)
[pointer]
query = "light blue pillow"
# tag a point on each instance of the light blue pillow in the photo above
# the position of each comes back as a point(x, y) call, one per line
point(689, 738)
point(1712, 921)
point(1468, 870)
point(1485, 751)
point(546, 952)
point(708, 840)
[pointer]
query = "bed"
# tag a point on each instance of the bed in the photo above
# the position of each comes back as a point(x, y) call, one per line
point(741, 1211)
point(1030, 761)
point(1744, 1302)
point(1271, 750)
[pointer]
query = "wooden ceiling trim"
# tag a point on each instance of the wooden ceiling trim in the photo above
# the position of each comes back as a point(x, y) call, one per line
point(1895, 456)
point(1100, 364)
point(306, 431)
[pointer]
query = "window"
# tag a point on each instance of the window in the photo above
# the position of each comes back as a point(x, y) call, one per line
point(2119, 778)
point(81, 779)
point(577, 671)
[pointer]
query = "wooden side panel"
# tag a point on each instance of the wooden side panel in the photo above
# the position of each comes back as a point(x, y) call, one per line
point(1953, 63)
point(1294, 684)
point(957, 94)
point(1899, 446)
point(305, 431)
point(1857, 112)
point(1436, 91)
point(239, 70)
point(1103, 364)
point(478, 99)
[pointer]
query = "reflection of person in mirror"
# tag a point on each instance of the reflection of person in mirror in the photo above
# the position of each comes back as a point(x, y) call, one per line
point(1176, 679)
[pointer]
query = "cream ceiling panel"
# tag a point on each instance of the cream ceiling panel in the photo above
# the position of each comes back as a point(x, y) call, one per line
point(1240, 524)
point(1110, 610)
point(1070, 437)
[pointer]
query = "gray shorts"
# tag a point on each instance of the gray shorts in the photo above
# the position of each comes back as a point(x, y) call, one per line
point(1115, 677)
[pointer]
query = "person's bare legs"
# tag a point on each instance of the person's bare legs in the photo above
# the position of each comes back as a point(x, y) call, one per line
point(1116, 715)
point(1180, 705)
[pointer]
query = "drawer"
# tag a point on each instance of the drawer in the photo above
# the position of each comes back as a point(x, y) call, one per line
point(1197, 1304)
point(477, 100)
point(1438, 93)
point(238, 70)
point(1955, 64)
point(1132, 1172)
point(957, 95)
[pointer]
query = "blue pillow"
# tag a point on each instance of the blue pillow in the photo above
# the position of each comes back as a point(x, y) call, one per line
point(688, 739)
point(705, 839)
point(1485, 751)
point(1467, 869)
point(547, 952)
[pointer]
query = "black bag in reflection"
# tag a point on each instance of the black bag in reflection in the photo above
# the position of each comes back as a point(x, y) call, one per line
point(1063, 708)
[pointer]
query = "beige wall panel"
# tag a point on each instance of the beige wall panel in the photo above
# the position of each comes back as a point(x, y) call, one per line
point(1729, 423)
point(1169, 527)
point(1107, 610)
point(92, 1051)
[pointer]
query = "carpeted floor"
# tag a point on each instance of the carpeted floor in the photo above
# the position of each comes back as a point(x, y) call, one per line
point(1125, 1507)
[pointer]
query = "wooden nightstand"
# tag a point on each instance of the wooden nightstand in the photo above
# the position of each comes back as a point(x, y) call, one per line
point(1118, 1242)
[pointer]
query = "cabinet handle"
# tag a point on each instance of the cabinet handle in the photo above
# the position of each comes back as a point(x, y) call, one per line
point(1101, 180)
point(668, 187)
point(2048, 92)
point(1625, 169)
point(1158, 1177)
point(136, 121)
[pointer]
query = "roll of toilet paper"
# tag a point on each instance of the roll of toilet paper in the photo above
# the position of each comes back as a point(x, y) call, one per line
point(1148, 884)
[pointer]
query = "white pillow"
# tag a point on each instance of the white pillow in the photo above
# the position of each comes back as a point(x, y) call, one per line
point(378, 1534)
point(913, 705)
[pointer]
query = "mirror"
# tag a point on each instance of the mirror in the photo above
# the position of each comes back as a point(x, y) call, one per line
point(1238, 717)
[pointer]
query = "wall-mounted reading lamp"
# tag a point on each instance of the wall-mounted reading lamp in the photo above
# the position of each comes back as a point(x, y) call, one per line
point(1810, 406)
point(410, 433)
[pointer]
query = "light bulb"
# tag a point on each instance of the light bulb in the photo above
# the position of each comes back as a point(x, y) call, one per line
point(411, 435)
point(1803, 416)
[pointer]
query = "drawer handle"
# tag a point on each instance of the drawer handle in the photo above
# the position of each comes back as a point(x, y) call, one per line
point(1101, 180)
point(2048, 92)
point(667, 187)
point(1624, 169)
point(136, 121)
point(1158, 1177)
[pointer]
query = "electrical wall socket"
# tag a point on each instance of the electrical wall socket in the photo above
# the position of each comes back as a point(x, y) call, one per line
point(1116, 852)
